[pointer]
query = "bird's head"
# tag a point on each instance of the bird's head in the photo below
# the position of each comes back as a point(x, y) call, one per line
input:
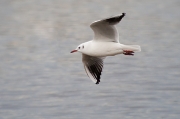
point(79, 48)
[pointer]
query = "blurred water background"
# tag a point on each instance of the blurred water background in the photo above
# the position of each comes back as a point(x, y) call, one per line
point(40, 79)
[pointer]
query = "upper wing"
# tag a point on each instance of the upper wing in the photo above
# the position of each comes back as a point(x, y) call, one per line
point(105, 30)
point(93, 67)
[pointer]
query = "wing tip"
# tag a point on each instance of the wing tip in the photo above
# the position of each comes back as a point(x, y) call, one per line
point(94, 79)
point(97, 83)
point(123, 14)
point(116, 19)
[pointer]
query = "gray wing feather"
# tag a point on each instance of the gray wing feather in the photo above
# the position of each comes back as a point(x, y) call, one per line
point(93, 67)
point(105, 29)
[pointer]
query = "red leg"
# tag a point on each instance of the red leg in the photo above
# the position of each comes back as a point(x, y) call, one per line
point(128, 52)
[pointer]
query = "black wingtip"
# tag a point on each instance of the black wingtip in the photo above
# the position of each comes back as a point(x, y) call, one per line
point(97, 82)
point(116, 19)
point(123, 14)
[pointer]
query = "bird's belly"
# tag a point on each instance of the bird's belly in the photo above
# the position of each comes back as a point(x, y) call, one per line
point(109, 52)
point(105, 49)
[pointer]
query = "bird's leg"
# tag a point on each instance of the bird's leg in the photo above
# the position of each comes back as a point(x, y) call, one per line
point(128, 52)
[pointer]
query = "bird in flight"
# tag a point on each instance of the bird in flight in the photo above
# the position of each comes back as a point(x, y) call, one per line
point(105, 43)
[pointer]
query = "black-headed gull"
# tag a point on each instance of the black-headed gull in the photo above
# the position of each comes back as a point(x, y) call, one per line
point(105, 43)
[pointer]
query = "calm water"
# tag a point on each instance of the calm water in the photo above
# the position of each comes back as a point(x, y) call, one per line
point(40, 79)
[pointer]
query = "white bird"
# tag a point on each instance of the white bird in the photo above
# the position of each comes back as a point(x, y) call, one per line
point(105, 43)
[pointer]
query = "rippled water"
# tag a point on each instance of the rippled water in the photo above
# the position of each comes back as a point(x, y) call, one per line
point(40, 79)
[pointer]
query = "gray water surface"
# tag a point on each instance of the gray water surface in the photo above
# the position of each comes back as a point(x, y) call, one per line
point(40, 79)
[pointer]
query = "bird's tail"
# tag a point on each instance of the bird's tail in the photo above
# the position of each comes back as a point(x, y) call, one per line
point(135, 48)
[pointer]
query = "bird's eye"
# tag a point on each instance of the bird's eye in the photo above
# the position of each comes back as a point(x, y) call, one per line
point(78, 47)
point(83, 47)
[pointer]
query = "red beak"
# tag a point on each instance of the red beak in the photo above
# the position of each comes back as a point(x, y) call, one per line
point(73, 51)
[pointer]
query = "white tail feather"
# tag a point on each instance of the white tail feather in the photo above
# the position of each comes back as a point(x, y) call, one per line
point(136, 48)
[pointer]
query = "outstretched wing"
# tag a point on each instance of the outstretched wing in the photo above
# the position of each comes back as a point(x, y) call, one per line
point(105, 29)
point(93, 67)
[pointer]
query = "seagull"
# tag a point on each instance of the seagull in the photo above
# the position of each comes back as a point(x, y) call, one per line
point(105, 43)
